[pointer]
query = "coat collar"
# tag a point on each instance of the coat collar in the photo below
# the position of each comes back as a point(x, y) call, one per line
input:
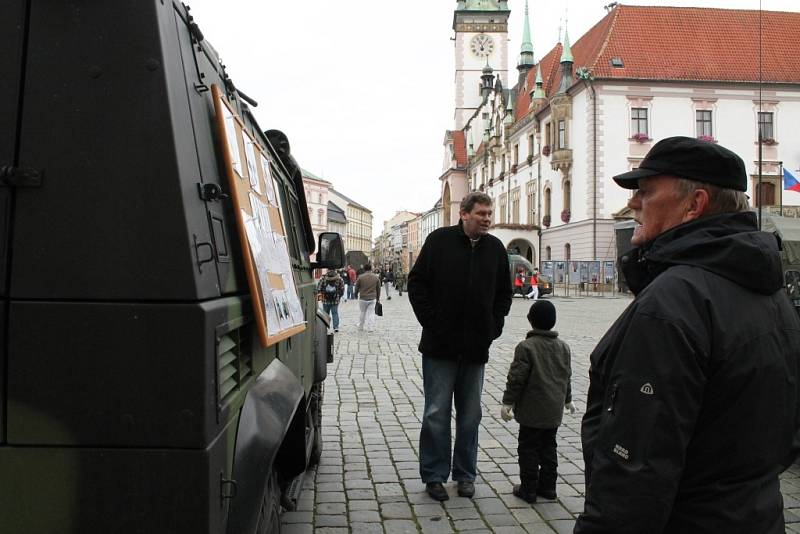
point(543, 333)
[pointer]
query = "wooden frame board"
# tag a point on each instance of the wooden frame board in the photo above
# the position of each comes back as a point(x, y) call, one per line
point(276, 303)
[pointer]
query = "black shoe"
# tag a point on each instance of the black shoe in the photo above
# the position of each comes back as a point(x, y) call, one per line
point(436, 491)
point(466, 489)
point(550, 495)
point(335, 329)
point(388, 298)
point(523, 494)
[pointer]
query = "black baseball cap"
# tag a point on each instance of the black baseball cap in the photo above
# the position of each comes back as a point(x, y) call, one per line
point(689, 158)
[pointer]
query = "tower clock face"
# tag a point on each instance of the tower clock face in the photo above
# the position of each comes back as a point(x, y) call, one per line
point(482, 45)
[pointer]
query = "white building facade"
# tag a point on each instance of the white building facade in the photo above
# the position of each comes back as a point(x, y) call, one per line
point(546, 151)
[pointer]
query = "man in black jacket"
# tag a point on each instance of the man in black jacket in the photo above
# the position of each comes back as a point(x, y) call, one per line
point(693, 398)
point(460, 291)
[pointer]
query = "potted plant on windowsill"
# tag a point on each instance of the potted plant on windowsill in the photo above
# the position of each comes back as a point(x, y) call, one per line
point(546, 221)
point(707, 138)
point(530, 159)
point(546, 150)
point(565, 215)
point(640, 137)
point(513, 168)
point(769, 141)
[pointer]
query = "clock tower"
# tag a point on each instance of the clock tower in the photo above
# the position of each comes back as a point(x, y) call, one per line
point(481, 38)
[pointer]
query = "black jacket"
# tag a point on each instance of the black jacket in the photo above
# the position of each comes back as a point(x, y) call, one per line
point(693, 397)
point(460, 294)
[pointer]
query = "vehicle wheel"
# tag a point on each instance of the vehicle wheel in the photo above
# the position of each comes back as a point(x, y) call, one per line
point(269, 518)
point(315, 413)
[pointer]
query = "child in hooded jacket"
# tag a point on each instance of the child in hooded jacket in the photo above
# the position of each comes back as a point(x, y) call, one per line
point(537, 393)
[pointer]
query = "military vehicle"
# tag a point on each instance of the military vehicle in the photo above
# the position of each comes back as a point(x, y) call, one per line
point(136, 394)
point(787, 231)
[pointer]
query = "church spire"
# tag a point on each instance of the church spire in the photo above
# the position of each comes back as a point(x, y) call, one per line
point(566, 64)
point(566, 50)
point(526, 51)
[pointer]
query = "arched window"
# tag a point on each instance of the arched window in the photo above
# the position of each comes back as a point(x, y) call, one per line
point(567, 194)
point(547, 196)
point(567, 252)
point(548, 252)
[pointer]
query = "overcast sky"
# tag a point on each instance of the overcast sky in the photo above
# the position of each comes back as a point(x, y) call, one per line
point(364, 89)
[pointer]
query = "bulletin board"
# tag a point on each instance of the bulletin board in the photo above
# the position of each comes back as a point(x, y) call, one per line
point(260, 221)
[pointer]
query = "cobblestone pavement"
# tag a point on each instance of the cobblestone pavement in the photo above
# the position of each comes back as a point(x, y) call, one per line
point(368, 479)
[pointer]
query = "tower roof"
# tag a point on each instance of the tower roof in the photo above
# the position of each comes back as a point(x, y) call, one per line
point(527, 45)
point(566, 50)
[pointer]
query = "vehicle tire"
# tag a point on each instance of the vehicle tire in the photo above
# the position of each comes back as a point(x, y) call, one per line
point(269, 518)
point(315, 414)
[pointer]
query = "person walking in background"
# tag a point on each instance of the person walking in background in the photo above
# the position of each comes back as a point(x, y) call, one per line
point(368, 289)
point(460, 291)
point(352, 276)
point(346, 280)
point(537, 393)
point(519, 282)
point(329, 290)
point(692, 409)
point(388, 278)
point(534, 291)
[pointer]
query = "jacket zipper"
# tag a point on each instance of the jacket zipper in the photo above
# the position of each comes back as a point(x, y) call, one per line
point(614, 388)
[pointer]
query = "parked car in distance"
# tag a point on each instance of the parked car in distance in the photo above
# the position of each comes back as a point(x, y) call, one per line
point(517, 262)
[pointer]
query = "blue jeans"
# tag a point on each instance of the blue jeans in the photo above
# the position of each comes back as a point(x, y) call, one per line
point(444, 381)
point(333, 311)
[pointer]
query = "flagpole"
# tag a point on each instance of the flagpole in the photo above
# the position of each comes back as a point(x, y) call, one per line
point(781, 182)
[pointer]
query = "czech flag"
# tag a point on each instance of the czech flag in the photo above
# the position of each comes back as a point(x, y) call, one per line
point(790, 182)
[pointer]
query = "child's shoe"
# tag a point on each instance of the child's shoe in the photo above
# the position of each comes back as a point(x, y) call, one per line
point(524, 494)
point(550, 495)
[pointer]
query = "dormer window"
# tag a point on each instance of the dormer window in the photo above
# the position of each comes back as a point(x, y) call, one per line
point(617, 62)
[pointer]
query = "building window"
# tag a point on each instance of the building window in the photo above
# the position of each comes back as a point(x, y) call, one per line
point(567, 252)
point(491, 169)
point(547, 202)
point(503, 208)
point(516, 154)
point(321, 217)
point(548, 252)
point(515, 205)
point(567, 195)
point(766, 125)
point(704, 127)
point(530, 197)
point(562, 134)
point(530, 145)
point(548, 140)
point(639, 121)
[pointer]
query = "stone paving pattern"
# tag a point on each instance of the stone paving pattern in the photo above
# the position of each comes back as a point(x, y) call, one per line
point(368, 479)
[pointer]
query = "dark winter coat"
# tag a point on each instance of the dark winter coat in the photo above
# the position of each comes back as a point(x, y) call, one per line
point(460, 294)
point(693, 398)
point(538, 384)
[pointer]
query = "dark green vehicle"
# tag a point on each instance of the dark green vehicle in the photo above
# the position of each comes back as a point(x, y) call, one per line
point(135, 395)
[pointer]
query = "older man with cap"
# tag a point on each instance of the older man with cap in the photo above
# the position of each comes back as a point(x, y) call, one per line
point(693, 398)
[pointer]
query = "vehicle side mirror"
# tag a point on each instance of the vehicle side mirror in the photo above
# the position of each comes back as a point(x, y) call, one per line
point(792, 279)
point(330, 251)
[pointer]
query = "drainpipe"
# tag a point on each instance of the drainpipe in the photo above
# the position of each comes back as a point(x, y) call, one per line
point(539, 195)
point(594, 171)
point(585, 75)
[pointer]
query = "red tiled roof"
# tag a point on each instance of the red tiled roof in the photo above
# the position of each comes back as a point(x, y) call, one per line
point(460, 148)
point(681, 43)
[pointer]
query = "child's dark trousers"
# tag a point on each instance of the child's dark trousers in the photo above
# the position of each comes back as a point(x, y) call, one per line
point(538, 462)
